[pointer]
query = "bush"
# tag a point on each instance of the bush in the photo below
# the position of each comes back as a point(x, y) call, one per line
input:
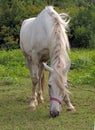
point(13, 12)
point(82, 29)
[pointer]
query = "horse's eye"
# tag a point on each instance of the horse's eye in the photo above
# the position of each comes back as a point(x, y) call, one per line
point(49, 85)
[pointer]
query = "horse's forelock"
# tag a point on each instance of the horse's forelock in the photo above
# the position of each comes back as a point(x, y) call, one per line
point(59, 79)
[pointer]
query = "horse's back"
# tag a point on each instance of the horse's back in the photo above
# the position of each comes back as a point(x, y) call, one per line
point(35, 32)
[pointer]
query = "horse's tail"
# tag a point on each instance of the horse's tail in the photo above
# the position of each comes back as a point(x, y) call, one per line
point(43, 81)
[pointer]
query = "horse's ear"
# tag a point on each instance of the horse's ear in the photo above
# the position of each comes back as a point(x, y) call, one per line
point(50, 69)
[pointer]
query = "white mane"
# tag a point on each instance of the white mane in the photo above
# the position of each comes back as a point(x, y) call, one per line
point(59, 43)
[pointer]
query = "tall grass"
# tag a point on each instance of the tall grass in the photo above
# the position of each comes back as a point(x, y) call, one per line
point(83, 67)
point(13, 67)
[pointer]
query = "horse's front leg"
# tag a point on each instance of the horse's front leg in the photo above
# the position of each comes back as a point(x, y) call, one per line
point(66, 99)
point(70, 107)
point(34, 77)
point(41, 84)
point(34, 101)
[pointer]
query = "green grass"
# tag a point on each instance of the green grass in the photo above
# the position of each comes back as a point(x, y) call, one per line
point(83, 67)
point(15, 92)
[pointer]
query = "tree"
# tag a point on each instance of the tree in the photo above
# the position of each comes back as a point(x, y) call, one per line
point(13, 12)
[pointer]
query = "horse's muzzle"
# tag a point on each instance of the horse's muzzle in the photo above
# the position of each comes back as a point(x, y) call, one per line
point(54, 113)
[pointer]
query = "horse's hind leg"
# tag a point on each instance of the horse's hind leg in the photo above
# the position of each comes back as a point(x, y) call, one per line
point(41, 84)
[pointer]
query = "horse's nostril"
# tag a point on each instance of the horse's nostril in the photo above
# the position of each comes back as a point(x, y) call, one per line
point(54, 114)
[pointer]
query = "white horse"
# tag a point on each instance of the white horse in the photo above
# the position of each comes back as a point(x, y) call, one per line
point(43, 38)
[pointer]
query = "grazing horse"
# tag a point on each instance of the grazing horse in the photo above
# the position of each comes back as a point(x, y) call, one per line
point(43, 38)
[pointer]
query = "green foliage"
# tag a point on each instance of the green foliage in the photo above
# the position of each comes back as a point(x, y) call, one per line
point(82, 29)
point(13, 12)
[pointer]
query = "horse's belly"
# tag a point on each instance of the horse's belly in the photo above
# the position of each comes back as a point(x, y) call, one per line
point(43, 55)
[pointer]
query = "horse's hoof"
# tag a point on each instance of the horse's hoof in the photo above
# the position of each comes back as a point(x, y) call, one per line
point(32, 107)
point(40, 100)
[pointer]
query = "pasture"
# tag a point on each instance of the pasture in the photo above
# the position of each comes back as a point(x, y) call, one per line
point(15, 91)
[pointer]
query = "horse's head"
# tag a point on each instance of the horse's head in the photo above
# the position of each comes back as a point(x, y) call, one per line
point(57, 90)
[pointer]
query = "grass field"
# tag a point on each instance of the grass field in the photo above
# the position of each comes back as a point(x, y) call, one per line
point(15, 92)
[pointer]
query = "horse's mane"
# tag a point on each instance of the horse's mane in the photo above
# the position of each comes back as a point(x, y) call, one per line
point(59, 43)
